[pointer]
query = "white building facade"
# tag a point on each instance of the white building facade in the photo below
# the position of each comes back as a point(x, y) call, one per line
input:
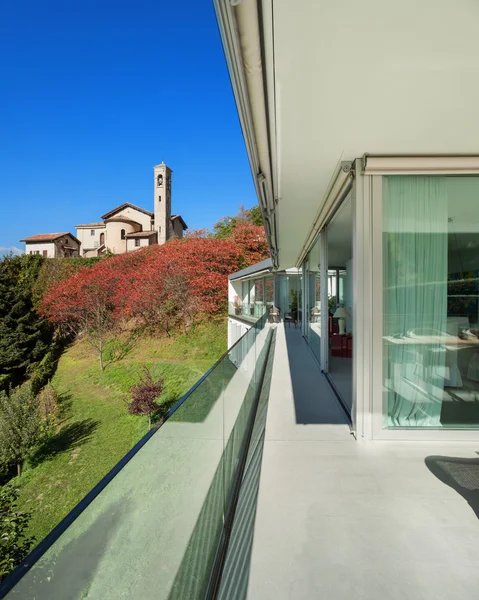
point(362, 138)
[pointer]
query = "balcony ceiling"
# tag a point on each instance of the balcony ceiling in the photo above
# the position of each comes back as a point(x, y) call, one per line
point(357, 77)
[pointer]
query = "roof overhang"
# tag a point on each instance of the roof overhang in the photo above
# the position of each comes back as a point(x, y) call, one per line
point(140, 234)
point(118, 209)
point(263, 267)
point(180, 219)
point(241, 36)
point(50, 240)
point(316, 86)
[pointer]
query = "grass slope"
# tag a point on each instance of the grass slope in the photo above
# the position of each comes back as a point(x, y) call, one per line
point(95, 429)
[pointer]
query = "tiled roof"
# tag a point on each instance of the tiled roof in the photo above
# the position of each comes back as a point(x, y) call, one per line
point(122, 219)
point(140, 234)
point(97, 224)
point(125, 205)
point(47, 237)
point(185, 226)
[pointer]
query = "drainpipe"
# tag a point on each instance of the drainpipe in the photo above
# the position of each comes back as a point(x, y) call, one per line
point(247, 21)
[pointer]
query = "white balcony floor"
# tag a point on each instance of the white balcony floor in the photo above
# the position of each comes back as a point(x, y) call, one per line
point(338, 519)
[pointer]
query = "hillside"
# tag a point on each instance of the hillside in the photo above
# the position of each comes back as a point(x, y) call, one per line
point(95, 430)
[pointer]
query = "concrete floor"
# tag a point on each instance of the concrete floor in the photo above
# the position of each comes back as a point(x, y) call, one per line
point(338, 519)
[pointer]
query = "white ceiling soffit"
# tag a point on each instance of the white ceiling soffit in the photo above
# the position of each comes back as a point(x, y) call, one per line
point(324, 101)
point(420, 165)
point(253, 276)
point(336, 192)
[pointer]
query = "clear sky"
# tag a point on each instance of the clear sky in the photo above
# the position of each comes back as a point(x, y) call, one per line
point(96, 92)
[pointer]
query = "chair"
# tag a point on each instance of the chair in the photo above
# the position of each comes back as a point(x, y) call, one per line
point(274, 314)
point(294, 317)
point(288, 318)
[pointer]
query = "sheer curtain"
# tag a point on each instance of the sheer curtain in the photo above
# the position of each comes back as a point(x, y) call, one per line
point(415, 298)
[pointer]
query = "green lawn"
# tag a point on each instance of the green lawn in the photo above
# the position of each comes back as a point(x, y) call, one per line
point(95, 429)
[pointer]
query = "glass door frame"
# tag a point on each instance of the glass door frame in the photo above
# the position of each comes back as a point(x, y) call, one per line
point(342, 188)
point(370, 410)
point(348, 196)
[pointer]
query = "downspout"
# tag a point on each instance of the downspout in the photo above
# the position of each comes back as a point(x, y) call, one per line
point(247, 21)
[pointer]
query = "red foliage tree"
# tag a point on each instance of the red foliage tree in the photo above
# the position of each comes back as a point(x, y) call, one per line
point(86, 303)
point(160, 286)
point(198, 233)
point(145, 395)
point(251, 240)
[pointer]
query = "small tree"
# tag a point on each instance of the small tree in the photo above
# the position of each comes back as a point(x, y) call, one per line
point(85, 304)
point(48, 405)
point(145, 395)
point(20, 426)
point(14, 544)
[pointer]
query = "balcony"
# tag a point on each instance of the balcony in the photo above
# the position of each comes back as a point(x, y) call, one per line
point(244, 311)
point(255, 488)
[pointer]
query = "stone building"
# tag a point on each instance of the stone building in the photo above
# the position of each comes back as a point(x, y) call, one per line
point(129, 227)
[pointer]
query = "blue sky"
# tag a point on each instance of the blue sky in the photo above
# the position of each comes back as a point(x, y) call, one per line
point(95, 93)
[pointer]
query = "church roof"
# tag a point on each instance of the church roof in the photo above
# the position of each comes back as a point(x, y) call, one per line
point(122, 219)
point(90, 225)
point(185, 226)
point(47, 237)
point(125, 205)
point(163, 165)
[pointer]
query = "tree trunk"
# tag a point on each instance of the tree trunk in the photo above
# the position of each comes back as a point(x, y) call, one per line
point(149, 422)
point(101, 357)
point(19, 470)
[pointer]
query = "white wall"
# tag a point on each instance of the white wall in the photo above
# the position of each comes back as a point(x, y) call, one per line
point(40, 248)
point(131, 246)
point(53, 248)
point(234, 289)
point(114, 243)
point(88, 241)
point(138, 216)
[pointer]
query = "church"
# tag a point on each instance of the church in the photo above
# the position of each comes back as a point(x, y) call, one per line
point(129, 227)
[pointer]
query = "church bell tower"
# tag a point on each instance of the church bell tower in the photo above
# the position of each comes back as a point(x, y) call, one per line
point(162, 201)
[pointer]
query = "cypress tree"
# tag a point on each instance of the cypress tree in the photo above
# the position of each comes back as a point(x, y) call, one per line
point(24, 335)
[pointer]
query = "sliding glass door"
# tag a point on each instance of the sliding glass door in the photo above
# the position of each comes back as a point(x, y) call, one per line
point(313, 299)
point(430, 301)
point(339, 242)
point(328, 300)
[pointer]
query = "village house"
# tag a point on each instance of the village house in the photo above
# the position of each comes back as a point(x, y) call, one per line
point(53, 245)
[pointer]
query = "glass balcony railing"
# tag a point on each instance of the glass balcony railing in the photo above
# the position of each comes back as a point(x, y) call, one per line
point(155, 527)
point(248, 311)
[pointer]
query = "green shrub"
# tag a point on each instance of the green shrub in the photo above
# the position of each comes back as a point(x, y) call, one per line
point(14, 544)
point(20, 426)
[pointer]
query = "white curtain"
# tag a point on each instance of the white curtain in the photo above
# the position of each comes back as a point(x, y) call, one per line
point(415, 298)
